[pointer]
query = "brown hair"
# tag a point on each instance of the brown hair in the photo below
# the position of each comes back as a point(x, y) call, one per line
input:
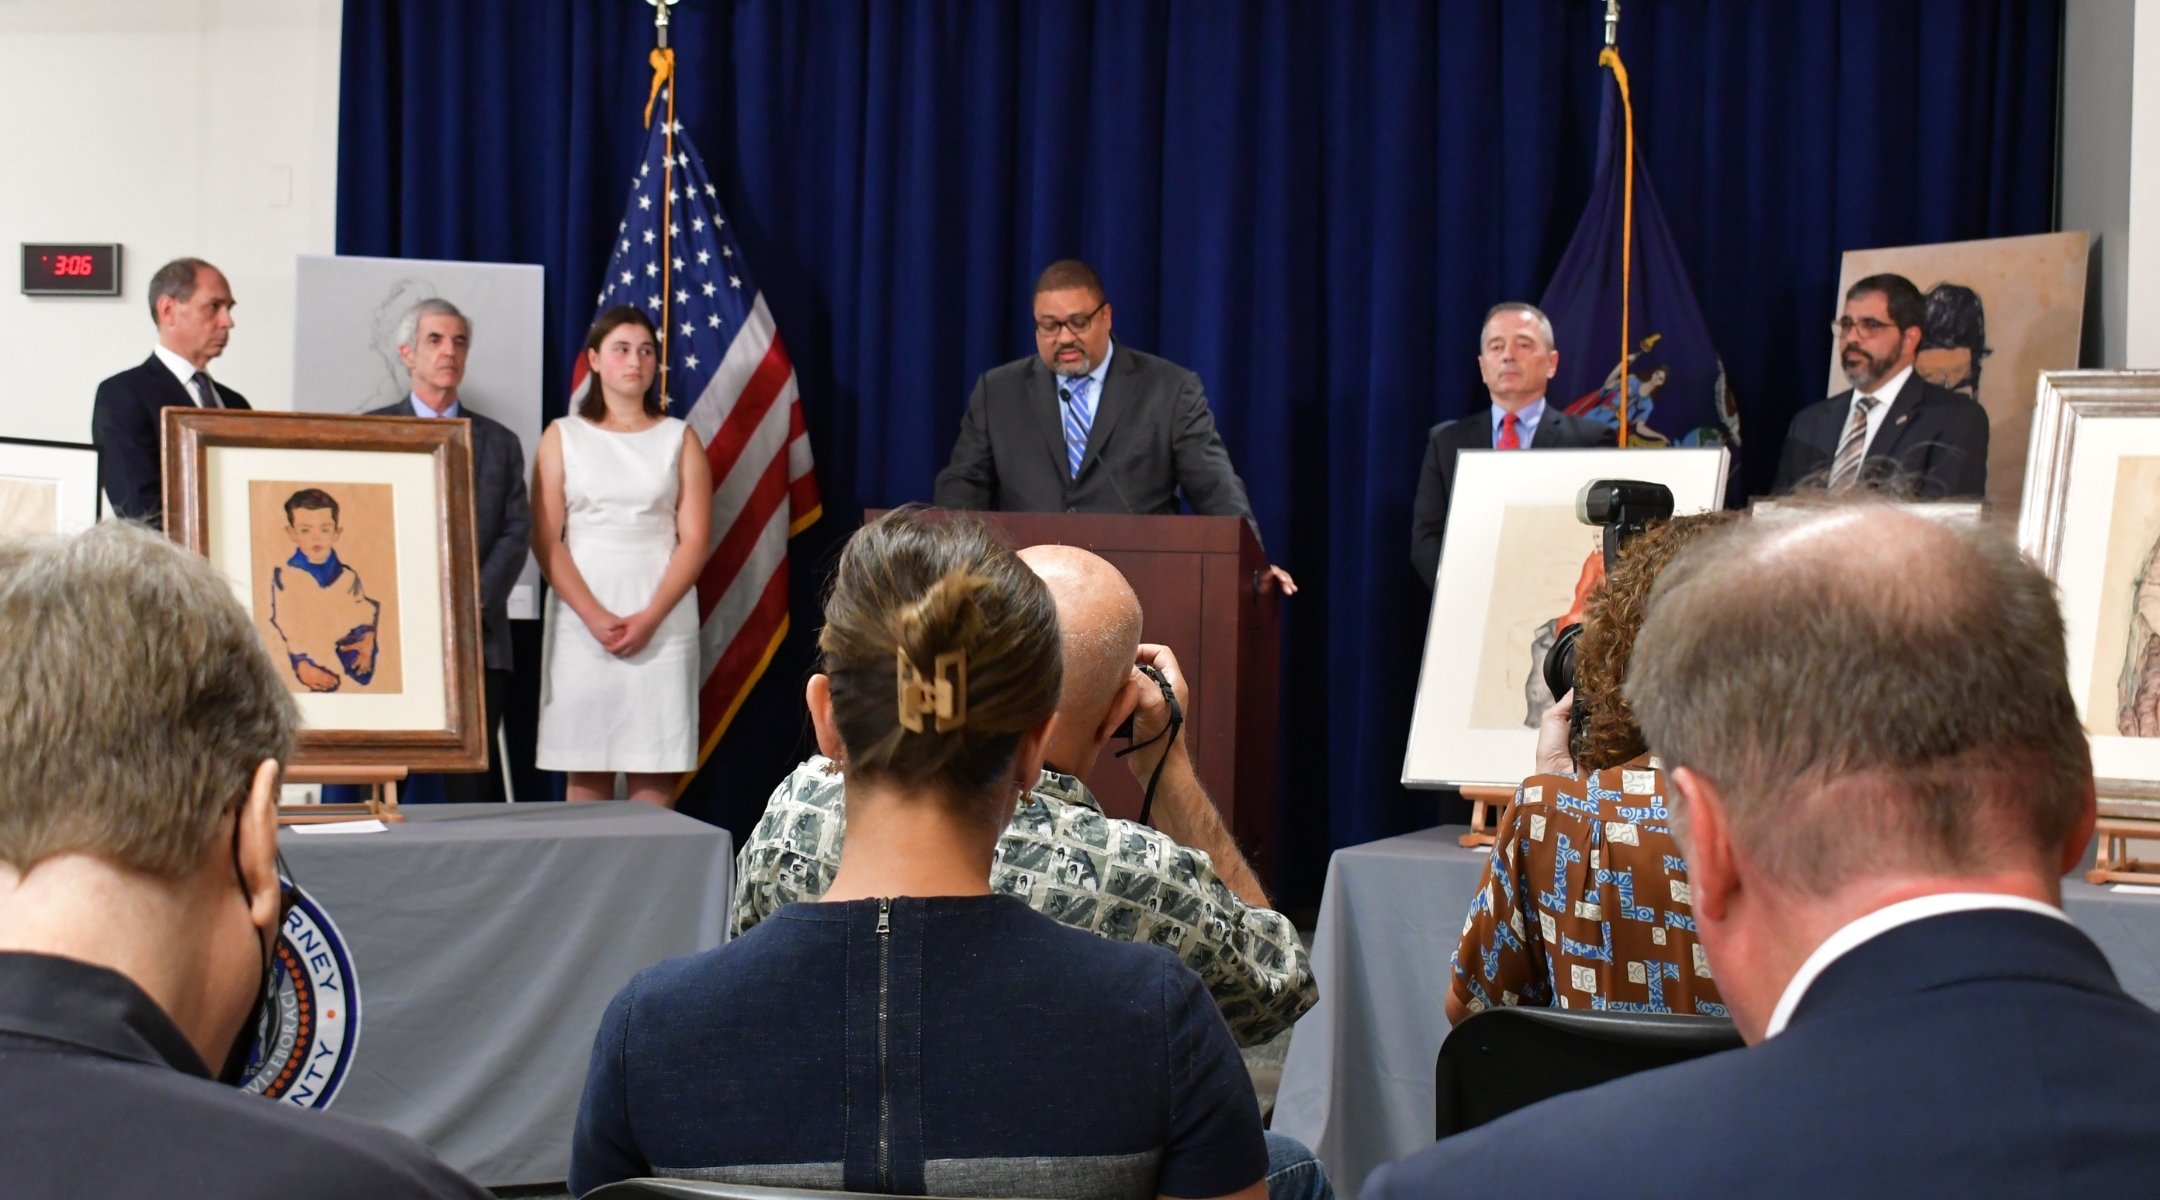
point(1612, 617)
point(594, 406)
point(1070, 273)
point(1870, 691)
point(916, 585)
point(136, 700)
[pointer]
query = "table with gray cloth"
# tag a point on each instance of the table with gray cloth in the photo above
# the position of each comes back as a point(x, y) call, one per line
point(486, 941)
point(1357, 1086)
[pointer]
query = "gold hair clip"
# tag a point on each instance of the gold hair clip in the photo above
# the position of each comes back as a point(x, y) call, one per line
point(943, 694)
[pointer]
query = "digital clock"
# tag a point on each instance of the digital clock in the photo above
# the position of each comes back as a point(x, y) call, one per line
point(72, 270)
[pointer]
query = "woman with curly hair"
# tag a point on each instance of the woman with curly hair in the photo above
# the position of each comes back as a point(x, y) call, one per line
point(1585, 900)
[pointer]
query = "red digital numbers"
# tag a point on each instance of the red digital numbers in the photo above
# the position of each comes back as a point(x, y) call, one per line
point(69, 265)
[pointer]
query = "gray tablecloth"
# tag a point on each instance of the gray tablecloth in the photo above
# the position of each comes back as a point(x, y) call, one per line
point(487, 939)
point(1357, 1086)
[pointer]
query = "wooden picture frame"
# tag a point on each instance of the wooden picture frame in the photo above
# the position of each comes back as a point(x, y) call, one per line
point(402, 688)
point(48, 487)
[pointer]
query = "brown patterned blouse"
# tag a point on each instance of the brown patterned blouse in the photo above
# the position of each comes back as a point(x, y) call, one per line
point(1584, 903)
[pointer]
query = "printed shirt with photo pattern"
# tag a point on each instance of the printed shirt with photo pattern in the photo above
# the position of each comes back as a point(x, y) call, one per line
point(1069, 861)
point(1584, 903)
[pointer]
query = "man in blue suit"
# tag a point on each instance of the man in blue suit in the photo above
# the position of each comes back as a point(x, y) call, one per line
point(192, 306)
point(1881, 779)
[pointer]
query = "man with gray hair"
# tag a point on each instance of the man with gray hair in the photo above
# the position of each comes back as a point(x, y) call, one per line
point(191, 304)
point(142, 728)
point(1880, 779)
point(1517, 359)
point(433, 340)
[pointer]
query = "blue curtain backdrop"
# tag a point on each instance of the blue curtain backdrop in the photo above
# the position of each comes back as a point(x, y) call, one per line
point(1310, 204)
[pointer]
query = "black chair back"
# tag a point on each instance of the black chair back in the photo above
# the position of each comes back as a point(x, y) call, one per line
point(1503, 1059)
point(699, 1189)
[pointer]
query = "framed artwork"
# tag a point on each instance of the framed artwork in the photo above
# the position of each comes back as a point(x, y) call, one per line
point(1999, 312)
point(350, 542)
point(47, 487)
point(1513, 565)
point(2091, 520)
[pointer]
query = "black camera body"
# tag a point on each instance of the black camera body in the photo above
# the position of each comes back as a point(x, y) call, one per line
point(1624, 507)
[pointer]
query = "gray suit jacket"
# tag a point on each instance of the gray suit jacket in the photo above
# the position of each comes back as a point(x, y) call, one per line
point(1153, 437)
point(502, 529)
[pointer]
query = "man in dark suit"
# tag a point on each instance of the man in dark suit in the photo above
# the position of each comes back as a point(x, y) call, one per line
point(433, 339)
point(1517, 359)
point(192, 306)
point(1875, 841)
point(1892, 427)
point(1087, 424)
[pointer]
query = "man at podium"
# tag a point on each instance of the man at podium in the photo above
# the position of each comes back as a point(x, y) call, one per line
point(1086, 425)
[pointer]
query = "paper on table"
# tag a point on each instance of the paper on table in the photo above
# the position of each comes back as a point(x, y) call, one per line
point(2136, 889)
point(370, 825)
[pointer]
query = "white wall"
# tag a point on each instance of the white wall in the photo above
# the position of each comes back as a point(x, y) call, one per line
point(2142, 316)
point(204, 127)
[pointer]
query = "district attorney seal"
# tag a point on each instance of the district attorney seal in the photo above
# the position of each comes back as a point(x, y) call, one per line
point(311, 1022)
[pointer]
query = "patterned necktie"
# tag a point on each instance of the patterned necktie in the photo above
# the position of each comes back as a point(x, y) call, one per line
point(1079, 418)
point(1845, 468)
point(1509, 438)
point(206, 392)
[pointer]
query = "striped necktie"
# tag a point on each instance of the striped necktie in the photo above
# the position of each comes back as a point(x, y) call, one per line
point(1079, 418)
point(1845, 468)
point(206, 392)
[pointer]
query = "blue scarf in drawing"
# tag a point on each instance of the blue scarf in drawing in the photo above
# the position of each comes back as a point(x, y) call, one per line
point(325, 572)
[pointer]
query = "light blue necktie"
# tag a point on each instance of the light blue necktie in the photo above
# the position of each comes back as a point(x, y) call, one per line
point(1079, 417)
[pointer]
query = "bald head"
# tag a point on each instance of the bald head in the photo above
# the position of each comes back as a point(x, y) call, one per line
point(1100, 617)
point(1872, 691)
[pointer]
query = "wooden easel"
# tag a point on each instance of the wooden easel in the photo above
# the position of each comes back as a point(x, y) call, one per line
point(1486, 801)
point(382, 805)
point(2111, 860)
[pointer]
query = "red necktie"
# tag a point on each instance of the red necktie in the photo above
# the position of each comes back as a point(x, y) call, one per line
point(1509, 439)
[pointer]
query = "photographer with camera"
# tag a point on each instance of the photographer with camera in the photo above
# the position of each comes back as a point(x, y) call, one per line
point(1181, 884)
point(1584, 902)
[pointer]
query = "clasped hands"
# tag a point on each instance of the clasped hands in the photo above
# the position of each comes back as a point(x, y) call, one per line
point(622, 636)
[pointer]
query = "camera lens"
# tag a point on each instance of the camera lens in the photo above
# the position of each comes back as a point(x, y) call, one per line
point(1560, 661)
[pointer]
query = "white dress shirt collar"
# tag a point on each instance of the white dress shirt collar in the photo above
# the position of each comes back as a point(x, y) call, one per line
point(1882, 921)
point(184, 371)
point(1886, 393)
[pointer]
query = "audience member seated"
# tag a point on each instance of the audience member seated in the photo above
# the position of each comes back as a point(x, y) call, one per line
point(1060, 849)
point(1584, 903)
point(917, 1032)
point(141, 728)
point(1878, 779)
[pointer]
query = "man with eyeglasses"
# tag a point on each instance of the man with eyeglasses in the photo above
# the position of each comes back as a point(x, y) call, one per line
point(1893, 428)
point(1087, 424)
point(142, 725)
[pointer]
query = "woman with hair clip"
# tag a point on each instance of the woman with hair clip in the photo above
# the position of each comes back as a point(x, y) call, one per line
point(913, 1032)
point(622, 507)
point(1584, 900)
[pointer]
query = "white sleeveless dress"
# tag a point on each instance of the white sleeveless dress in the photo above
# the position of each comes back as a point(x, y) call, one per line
point(600, 712)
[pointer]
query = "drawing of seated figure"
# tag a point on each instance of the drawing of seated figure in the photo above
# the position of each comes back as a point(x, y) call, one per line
point(317, 604)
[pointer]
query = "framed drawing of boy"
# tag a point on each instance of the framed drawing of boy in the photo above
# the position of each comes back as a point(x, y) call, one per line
point(2091, 520)
point(350, 541)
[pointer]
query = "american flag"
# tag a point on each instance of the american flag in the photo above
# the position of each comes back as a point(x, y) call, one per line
point(729, 378)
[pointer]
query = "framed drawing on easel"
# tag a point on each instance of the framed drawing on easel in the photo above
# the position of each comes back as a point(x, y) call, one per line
point(2091, 520)
point(350, 542)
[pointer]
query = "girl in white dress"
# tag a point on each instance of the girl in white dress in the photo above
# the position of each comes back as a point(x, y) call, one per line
point(622, 509)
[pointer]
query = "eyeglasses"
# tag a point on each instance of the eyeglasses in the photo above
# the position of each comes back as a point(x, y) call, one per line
point(1047, 327)
point(1843, 326)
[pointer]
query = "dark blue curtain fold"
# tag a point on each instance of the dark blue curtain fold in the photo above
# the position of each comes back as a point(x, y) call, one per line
point(1310, 204)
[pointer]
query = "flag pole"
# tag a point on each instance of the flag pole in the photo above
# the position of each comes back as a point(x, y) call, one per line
point(1610, 57)
point(663, 65)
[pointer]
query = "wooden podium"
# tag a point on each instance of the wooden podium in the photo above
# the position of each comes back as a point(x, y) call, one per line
point(1199, 580)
